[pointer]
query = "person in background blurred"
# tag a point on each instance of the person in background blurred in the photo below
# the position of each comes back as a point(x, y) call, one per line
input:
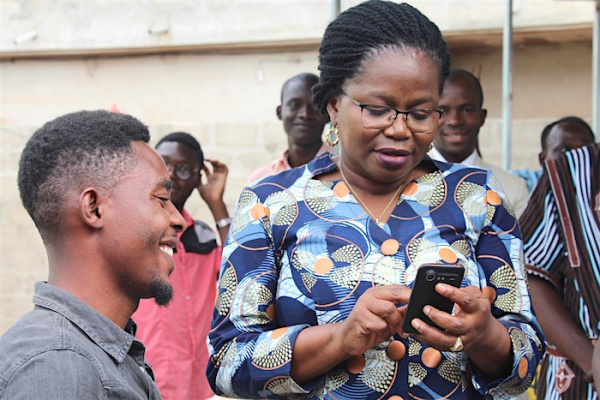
point(456, 140)
point(175, 336)
point(557, 137)
point(320, 260)
point(561, 242)
point(303, 124)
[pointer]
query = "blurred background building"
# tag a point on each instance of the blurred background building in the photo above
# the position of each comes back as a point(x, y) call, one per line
point(214, 68)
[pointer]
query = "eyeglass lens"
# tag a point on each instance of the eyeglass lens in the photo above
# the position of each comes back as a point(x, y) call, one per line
point(183, 172)
point(381, 117)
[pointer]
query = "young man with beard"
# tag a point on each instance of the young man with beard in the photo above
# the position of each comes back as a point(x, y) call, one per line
point(99, 196)
point(175, 336)
point(303, 124)
point(458, 129)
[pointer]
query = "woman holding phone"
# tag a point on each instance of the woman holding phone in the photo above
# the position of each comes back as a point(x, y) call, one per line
point(319, 261)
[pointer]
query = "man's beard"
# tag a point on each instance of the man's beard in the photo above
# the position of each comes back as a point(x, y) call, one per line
point(162, 292)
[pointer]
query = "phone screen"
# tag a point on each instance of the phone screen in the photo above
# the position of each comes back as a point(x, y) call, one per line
point(423, 292)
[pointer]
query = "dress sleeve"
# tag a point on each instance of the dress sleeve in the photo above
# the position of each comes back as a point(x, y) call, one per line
point(250, 353)
point(500, 257)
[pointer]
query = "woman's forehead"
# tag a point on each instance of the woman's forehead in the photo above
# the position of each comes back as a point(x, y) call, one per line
point(396, 63)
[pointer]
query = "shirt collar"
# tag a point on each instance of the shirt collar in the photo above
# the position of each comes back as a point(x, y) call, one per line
point(197, 237)
point(436, 155)
point(101, 330)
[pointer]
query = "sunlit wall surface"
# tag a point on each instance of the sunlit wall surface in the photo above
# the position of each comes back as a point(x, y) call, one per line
point(214, 68)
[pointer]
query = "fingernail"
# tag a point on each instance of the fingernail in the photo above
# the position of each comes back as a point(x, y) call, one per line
point(427, 310)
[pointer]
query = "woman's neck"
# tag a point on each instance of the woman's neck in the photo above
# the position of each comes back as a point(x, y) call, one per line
point(368, 187)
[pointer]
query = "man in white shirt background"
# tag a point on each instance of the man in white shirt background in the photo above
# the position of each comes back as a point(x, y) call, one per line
point(458, 129)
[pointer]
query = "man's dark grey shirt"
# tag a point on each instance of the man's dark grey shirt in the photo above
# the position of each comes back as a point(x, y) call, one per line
point(63, 349)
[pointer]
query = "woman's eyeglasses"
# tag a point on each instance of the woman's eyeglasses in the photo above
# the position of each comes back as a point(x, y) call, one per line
point(380, 117)
point(182, 171)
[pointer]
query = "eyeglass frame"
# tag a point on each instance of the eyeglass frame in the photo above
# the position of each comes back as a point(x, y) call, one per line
point(170, 164)
point(395, 117)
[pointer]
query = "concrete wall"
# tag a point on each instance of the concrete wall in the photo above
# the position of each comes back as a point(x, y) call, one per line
point(92, 25)
point(227, 100)
point(550, 81)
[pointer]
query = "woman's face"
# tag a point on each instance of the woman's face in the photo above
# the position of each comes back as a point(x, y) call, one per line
point(405, 79)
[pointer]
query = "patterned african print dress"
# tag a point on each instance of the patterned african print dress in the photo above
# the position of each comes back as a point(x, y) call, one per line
point(301, 251)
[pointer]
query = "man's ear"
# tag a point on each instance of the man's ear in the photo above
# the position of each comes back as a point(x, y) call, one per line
point(542, 157)
point(91, 208)
point(483, 116)
point(278, 112)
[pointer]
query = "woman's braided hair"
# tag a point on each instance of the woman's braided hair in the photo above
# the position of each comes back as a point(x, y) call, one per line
point(360, 31)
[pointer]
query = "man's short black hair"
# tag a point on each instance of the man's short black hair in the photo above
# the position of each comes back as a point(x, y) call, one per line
point(308, 77)
point(569, 119)
point(457, 73)
point(72, 151)
point(186, 139)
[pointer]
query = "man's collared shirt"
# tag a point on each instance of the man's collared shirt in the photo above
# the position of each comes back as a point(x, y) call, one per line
point(436, 155)
point(64, 349)
point(515, 187)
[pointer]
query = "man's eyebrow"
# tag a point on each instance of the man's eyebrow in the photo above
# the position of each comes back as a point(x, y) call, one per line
point(167, 184)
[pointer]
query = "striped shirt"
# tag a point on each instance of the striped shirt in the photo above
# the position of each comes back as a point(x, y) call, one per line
point(561, 242)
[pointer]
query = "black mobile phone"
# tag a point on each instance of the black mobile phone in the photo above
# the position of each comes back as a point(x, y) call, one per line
point(423, 292)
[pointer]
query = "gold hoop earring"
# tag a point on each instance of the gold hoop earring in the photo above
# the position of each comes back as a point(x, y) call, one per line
point(430, 146)
point(332, 131)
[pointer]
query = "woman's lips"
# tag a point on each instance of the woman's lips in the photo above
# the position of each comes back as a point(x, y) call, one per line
point(392, 158)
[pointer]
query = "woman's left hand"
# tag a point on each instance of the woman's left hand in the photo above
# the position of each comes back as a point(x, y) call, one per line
point(486, 341)
point(472, 318)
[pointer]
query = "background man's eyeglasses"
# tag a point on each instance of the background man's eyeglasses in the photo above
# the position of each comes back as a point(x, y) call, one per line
point(420, 120)
point(182, 171)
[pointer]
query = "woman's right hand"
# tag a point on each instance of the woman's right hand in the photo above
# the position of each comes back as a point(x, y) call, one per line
point(376, 317)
